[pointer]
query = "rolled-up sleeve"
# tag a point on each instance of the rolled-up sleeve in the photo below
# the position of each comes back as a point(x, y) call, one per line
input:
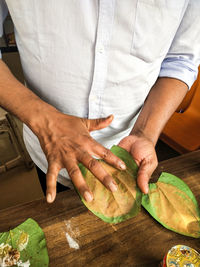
point(3, 14)
point(183, 58)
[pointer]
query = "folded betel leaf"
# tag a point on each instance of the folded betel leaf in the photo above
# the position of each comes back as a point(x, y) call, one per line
point(171, 202)
point(114, 207)
point(24, 246)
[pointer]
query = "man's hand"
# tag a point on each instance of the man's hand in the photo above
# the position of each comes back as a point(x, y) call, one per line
point(161, 102)
point(66, 141)
point(143, 152)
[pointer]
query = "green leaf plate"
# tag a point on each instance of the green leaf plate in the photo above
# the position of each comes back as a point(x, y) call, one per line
point(29, 239)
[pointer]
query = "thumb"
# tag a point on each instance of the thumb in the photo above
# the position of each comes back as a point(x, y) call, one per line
point(98, 124)
point(145, 171)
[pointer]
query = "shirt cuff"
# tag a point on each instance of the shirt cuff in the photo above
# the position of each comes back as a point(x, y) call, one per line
point(179, 68)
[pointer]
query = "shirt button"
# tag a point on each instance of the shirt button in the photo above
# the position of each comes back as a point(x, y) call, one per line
point(101, 49)
point(93, 98)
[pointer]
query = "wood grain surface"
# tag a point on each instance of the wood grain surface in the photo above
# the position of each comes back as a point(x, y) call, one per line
point(137, 242)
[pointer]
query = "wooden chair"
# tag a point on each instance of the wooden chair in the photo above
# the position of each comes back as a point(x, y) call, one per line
point(182, 131)
point(8, 126)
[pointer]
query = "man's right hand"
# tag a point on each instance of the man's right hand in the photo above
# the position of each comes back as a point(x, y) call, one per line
point(66, 141)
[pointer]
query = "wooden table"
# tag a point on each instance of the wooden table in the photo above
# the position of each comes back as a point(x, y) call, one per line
point(140, 241)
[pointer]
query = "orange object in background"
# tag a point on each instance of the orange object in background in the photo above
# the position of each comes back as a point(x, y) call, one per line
point(182, 131)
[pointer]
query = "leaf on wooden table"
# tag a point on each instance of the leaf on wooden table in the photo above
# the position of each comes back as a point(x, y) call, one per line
point(171, 202)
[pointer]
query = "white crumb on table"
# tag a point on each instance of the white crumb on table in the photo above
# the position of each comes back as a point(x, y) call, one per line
point(75, 231)
point(72, 242)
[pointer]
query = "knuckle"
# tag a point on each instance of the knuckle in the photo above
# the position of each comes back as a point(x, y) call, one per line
point(53, 153)
point(51, 147)
point(85, 141)
point(52, 158)
point(73, 171)
point(93, 163)
point(83, 156)
point(106, 154)
point(50, 155)
point(106, 179)
point(69, 149)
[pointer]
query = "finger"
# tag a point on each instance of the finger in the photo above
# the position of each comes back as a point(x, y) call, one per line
point(145, 171)
point(97, 124)
point(96, 168)
point(107, 156)
point(51, 181)
point(78, 180)
point(126, 144)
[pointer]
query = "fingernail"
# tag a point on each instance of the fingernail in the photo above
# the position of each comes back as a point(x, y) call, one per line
point(110, 116)
point(112, 187)
point(146, 190)
point(122, 165)
point(88, 197)
point(49, 198)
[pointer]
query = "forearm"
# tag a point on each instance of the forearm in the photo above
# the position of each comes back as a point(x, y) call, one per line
point(19, 100)
point(161, 103)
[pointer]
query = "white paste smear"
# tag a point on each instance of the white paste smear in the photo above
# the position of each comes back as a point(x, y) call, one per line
point(72, 242)
point(75, 231)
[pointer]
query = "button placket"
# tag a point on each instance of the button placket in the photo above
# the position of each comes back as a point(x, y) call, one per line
point(104, 30)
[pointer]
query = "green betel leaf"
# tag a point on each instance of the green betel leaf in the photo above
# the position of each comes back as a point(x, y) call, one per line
point(126, 157)
point(122, 204)
point(27, 243)
point(171, 202)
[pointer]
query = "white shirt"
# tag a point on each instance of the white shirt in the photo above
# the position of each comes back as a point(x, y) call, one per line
point(95, 58)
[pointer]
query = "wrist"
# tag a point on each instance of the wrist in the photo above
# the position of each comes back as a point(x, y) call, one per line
point(40, 116)
point(143, 133)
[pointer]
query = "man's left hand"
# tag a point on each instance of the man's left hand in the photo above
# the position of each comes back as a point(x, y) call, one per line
point(144, 154)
